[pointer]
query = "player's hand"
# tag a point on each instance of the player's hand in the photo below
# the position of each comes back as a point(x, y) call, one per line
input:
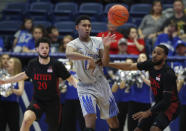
point(2, 82)
point(141, 115)
point(91, 64)
point(99, 62)
point(107, 40)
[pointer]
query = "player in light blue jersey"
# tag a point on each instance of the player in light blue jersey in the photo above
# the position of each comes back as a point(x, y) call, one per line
point(93, 89)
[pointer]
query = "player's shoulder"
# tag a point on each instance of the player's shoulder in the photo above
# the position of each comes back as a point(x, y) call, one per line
point(74, 41)
point(96, 39)
point(169, 71)
point(33, 61)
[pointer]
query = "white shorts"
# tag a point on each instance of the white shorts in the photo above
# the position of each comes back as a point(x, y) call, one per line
point(98, 94)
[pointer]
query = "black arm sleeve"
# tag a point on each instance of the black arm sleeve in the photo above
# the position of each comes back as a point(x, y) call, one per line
point(147, 65)
point(62, 71)
point(163, 104)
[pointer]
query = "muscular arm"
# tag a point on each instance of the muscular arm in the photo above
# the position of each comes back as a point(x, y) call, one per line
point(72, 54)
point(124, 66)
point(16, 78)
point(20, 89)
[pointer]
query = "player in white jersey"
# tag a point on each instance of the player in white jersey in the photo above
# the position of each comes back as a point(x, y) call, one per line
point(93, 89)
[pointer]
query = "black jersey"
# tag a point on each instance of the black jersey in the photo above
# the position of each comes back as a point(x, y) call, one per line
point(163, 85)
point(46, 78)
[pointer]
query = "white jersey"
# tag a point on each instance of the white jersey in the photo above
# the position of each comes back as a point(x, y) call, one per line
point(92, 49)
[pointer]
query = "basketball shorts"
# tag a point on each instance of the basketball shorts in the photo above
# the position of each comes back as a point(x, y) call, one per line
point(98, 93)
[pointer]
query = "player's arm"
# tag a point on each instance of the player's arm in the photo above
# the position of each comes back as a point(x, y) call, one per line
point(72, 54)
point(16, 78)
point(168, 84)
point(20, 89)
point(147, 65)
point(123, 66)
point(107, 40)
point(73, 81)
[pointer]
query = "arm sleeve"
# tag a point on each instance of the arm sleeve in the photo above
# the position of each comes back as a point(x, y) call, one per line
point(62, 71)
point(169, 84)
point(147, 65)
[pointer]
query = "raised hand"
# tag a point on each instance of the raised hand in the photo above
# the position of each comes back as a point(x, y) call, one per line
point(107, 40)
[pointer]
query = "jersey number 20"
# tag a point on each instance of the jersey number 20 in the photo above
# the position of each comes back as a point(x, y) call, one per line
point(42, 85)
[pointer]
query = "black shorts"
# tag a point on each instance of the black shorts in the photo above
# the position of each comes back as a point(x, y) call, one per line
point(52, 109)
point(160, 120)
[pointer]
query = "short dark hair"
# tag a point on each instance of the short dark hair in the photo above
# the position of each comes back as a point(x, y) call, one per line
point(82, 17)
point(43, 40)
point(166, 50)
point(49, 29)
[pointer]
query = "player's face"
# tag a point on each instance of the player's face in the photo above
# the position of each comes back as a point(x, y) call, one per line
point(142, 57)
point(4, 60)
point(158, 56)
point(84, 28)
point(43, 50)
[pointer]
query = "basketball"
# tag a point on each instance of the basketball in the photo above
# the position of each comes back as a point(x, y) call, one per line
point(118, 15)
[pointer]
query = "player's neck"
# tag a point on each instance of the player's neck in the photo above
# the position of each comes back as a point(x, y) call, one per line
point(158, 67)
point(44, 61)
point(84, 39)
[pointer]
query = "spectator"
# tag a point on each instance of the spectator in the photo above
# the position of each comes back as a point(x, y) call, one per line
point(112, 30)
point(122, 46)
point(180, 48)
point(151, 25)
point(4, 61)
point(9, 106)
point(1, 44)
point(169, 38)
point(38, 32)
point(179, 18)
point(53, 35)
point(135, 45)
point(66, 39)
point(23, 35)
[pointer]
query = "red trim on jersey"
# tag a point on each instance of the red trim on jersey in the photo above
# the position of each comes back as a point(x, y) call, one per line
point(171, 110)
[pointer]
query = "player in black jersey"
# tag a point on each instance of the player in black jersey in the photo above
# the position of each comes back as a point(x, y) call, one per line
point(163, 85)
point(44, 72)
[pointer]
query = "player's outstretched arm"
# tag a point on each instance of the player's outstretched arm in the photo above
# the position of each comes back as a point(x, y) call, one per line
point(124, 66)
point(107, 40)
point(16, 78)
point(72, 54)
point(73, 81)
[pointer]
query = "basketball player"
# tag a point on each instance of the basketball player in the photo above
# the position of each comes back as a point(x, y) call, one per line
point(93, 88)
point(164, 88)
point(44, 72)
